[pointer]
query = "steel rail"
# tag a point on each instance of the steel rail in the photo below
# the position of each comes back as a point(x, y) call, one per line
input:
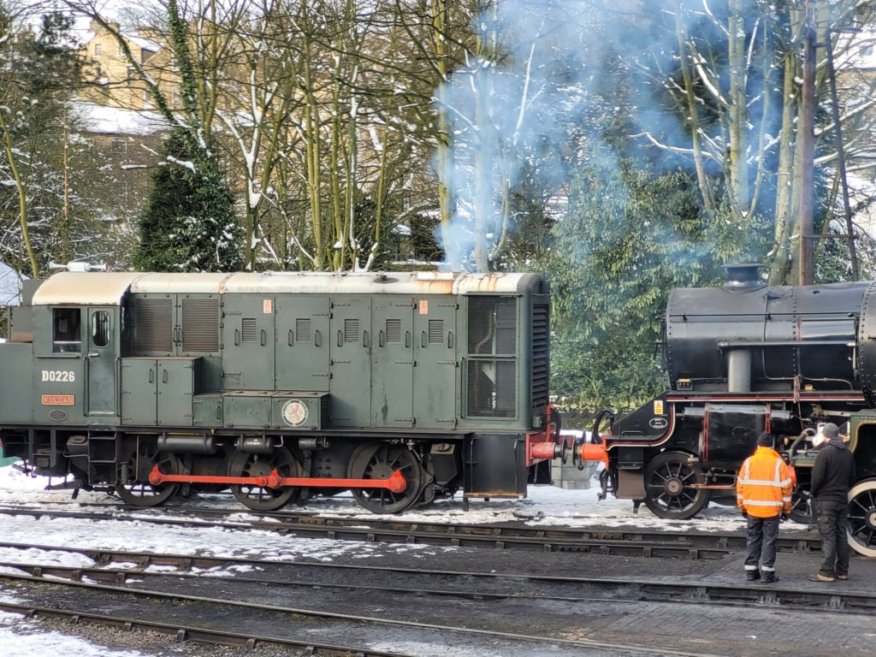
point(541, 540)
point(584, 644)
point(798, 541)
point(120, 577)
point(190, 633)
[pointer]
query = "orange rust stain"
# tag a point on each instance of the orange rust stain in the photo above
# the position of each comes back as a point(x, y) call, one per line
point(488, 282)
point(436, 287)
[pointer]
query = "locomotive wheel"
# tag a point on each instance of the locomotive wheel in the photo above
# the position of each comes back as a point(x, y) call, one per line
point(862, 518)
point(140, 492)
point(668, 486)
point(257, 498)
point(801, 507)
point(379, 461)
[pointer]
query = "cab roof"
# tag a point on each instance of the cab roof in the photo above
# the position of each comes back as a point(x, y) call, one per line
point(108, 289)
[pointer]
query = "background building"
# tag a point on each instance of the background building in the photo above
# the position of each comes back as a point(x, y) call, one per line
point(114, 81)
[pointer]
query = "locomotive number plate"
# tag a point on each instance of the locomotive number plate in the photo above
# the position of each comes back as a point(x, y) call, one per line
point(58, 376)
point(58, 400)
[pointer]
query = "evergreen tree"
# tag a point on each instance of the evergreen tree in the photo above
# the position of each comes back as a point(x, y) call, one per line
point(188, 223)
point(46, 172)
point(631, 235)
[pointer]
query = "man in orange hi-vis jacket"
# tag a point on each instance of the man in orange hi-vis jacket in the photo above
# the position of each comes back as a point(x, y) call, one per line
point(763, 494)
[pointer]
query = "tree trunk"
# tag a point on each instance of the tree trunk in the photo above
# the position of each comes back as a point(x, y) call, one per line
point(805, 195)
point(737, 166)
point(443, 157)
point(21, 188)
point(312, 149)
point(693, 115)
point(781, 262)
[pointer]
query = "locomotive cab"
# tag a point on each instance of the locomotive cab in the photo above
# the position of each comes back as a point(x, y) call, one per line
point(76, 351)
point(65, 355)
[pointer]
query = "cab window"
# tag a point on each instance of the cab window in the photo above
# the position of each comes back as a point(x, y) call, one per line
point(66, 336)
point(492, 357)
point(100, 328)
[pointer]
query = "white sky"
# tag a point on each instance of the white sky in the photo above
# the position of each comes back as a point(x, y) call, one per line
point(9, 286)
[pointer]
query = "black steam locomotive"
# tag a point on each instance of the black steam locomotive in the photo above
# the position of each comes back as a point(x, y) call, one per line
point(743, 359)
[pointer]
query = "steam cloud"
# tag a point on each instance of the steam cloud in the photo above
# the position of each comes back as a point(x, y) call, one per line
point(541, 92)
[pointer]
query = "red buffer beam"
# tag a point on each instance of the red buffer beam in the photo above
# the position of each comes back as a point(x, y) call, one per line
point(546, 444)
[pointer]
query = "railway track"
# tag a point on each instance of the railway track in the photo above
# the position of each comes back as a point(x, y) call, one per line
point(217, 620)
point(247, 602)
point(466, 611)
point(181, 632)
point(115, 567)
point(613, 542)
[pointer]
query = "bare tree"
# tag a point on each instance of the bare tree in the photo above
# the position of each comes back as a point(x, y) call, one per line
point(745, 102)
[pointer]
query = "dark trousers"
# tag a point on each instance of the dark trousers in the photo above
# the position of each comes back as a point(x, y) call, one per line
point(762, 536)
point(833, 525)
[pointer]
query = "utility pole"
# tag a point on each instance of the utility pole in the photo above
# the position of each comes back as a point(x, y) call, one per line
point(806, 149)
point(841, 159)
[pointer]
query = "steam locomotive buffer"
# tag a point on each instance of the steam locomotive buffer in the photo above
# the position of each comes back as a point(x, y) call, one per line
point(401, 388)
point(743, 359)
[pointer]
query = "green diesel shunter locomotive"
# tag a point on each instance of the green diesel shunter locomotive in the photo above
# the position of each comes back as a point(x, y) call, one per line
point(400, 387)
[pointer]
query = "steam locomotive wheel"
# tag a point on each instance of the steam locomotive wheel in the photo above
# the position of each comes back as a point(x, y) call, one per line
point(258, 498)
point(378, 461)
point(862, 518)
point(137, 491)
point(801, 507)
point(669, 491)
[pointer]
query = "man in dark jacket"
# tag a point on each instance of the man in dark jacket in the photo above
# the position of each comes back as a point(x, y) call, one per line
point(832, 476)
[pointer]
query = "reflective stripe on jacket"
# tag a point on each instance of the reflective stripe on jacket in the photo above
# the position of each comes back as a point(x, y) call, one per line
point(763, 486)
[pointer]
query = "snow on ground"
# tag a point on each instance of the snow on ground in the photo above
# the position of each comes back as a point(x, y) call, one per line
point(21, 638)
point(545, 506)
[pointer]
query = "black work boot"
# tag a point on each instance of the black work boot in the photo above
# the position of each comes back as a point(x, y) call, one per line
point(769, 576)
point(752, 575)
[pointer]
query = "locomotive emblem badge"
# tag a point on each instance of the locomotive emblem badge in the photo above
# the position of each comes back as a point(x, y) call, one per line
point(295, 412)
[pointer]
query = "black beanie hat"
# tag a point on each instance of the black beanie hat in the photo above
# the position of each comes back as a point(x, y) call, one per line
point(765, 440)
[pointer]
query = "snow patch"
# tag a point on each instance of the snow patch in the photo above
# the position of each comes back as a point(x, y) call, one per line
point(20, 638)
point(117, 121)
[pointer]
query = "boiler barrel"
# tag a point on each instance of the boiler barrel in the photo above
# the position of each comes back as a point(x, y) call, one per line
point(759, 338)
